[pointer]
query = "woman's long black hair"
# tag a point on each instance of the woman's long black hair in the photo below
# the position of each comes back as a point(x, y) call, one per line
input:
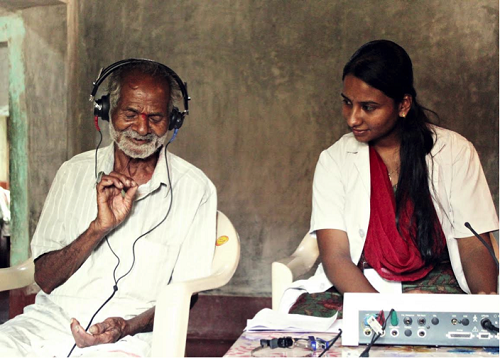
point(387, 67)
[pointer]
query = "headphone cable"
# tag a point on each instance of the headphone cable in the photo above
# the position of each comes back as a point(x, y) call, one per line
point(115, 287)
point(153, 228)
point(96, 149)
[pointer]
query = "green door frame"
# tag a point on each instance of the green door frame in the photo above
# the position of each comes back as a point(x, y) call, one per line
point(12, 31)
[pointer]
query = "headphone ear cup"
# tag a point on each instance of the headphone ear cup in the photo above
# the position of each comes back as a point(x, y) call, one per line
point(101, 108)
point(176, 119)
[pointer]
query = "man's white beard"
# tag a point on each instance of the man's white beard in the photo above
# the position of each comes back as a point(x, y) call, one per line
point(132, 149)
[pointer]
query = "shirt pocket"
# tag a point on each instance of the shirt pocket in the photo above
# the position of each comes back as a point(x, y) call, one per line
point(153, 267)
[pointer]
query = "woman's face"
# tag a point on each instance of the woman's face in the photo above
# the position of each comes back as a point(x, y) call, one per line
point(369, 113)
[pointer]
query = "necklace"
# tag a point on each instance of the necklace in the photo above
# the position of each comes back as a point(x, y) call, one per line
point(390, 177)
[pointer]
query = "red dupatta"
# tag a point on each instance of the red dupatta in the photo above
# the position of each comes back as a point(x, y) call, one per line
point(394, 257)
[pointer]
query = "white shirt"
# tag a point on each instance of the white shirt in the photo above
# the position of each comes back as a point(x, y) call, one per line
point(181, 248)
point(341, 195)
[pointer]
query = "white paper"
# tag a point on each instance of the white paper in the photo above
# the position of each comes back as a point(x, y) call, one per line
point(269, 320)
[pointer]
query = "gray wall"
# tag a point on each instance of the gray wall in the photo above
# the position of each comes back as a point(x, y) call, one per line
point(265, 81)
point(46, 92)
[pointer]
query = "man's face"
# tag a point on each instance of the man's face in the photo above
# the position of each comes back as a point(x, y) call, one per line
point(139, 122)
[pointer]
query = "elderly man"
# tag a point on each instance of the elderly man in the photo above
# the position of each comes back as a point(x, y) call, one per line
point(116, 241)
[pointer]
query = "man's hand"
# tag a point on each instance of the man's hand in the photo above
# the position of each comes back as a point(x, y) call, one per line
point(55, 267)
point(113, 206)
point(109, 331)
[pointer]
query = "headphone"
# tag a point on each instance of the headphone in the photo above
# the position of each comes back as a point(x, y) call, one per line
point(102, 105)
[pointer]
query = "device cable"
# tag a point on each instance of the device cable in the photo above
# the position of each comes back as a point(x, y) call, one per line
point(331, 343)
point(490, 250)
point(488, 325)
point(376, 336)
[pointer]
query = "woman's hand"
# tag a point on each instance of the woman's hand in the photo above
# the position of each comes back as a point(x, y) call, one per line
point(419, 291)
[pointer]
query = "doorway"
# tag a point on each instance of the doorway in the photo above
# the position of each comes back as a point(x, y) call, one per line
point(4, 173)
point(4, 158)
point(4, 114)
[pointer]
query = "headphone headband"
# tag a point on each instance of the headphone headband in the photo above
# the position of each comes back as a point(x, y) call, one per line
point(101, 106)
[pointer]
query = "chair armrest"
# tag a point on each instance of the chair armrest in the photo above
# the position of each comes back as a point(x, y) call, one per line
point(286, 270)
point(173, 302)
point(17, 276)
point(172, 308)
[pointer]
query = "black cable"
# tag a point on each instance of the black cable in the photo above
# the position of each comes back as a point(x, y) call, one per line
point(156, 226)
point(488, 325)
point(375, 337)
point(96, 149)
point(488, 247)
point(115, 287)
point(331, 343)
point(117, 258)
point(366, 353)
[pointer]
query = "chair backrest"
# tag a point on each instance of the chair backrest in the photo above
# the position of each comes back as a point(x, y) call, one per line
point(227, 248)
point(308, 250)
point(285, 271)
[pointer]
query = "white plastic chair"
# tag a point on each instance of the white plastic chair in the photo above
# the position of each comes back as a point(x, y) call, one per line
point(172, 306)
point(173, 303)
point(287, 270)
point(17, 276)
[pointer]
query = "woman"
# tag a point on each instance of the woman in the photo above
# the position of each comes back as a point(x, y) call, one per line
point(394, 194)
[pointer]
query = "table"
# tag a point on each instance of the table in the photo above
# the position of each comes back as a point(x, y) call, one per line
point(248, 341)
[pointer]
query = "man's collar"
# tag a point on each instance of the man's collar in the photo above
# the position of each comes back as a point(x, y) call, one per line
point(106, 161)
point(160, 174)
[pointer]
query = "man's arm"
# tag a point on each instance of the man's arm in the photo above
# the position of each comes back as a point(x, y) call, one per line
point(56, 267)
point(112, 329)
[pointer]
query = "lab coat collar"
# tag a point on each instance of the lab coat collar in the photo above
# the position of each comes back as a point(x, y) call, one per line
point(361, 159)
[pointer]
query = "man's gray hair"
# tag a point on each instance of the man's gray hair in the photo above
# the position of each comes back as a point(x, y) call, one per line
point(150, 68)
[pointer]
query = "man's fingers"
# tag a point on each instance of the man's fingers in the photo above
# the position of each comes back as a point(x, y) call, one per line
point(99, 328)
point(95, 329)
point(109, 181)
point(130, 193)
point(117, 180)
point(74, 323)
point(125, 180)
point(82, 338)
